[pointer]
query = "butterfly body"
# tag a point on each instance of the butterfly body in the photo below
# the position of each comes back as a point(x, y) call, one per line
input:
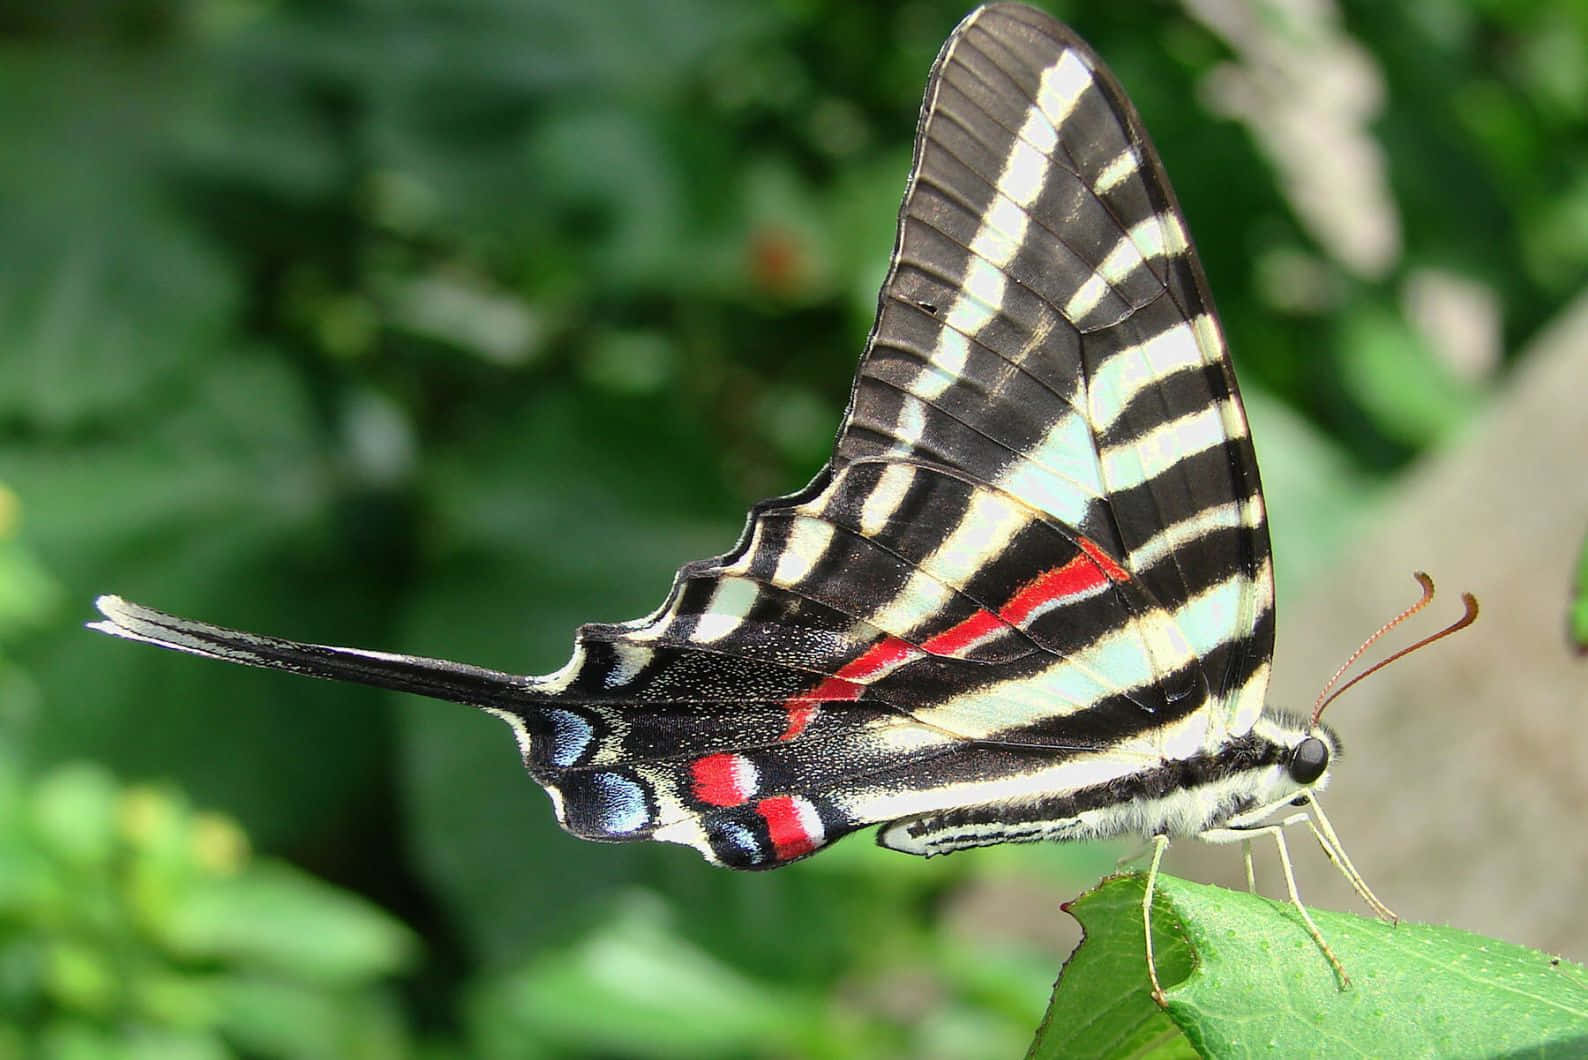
point(1029, 597)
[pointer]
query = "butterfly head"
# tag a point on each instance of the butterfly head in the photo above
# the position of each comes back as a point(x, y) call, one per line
point(1308, 748)
point(1308, 761)
point(1296, 755)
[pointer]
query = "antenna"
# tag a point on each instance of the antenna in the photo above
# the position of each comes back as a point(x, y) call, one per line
point(1324, 698)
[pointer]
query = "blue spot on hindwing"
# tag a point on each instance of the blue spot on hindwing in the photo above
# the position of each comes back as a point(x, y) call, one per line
point(621, 805)
point(734, 842)
point(571, 735)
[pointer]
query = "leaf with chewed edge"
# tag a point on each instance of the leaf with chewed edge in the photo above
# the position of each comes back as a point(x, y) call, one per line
point(1243, 977)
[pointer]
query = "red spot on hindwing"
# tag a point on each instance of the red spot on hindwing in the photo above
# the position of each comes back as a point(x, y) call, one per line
point(792, 824)
point(724, 779)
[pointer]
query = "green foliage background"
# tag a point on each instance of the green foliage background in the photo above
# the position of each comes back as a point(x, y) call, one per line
point(443, 327)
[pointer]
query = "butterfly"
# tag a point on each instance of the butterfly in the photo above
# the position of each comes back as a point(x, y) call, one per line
point(1030, 596)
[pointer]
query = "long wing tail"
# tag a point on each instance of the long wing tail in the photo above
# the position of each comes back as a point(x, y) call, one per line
point(436, 678)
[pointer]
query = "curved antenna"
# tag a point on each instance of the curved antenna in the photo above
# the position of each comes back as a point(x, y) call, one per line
point(1471, 616)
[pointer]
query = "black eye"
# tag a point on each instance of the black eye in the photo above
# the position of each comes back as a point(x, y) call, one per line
point(1309, 760)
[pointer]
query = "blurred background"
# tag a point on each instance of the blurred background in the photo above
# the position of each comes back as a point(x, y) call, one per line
point(443, 327)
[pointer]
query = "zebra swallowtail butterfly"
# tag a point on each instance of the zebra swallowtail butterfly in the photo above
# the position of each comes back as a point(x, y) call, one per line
point(1029, 597)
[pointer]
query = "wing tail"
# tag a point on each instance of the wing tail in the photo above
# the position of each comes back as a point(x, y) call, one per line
point(437, 678)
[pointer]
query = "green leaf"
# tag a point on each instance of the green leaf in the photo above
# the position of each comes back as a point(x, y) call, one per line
point(268, 1017)
point(1101, 1004)
point(277, 917)
point(1243, 976)
point(110, 295)
point(637, 988)
point(1408, 394)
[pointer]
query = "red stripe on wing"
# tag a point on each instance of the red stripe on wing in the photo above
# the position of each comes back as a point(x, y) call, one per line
point(964, 635)
point(1078, 577)
point(1083, 574)
point(1106, 562)
point(848, 683)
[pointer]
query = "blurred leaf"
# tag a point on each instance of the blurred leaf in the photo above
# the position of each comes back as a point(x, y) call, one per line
point(865, 206)
point(1556, 239)
point(229, 491)
point(122, 908)
point(278, 918)
point(107, 293)
point(269, 1017)
point(1410, 395)
point(72, 1041)
point(464, 312)
point(593, 153)
point(629, 362)
point(1242, 975)
point(74, 811)
point(633, 988)
point(28, 593)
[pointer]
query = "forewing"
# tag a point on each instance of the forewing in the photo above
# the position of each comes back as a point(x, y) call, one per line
point(1045, 325)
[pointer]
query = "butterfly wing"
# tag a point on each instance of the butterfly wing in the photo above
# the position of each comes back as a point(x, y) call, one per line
point(1038, 558)
point(1046, 326)
point(1036, 561)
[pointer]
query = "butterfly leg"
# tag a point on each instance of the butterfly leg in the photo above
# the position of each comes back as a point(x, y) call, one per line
point(1246, 857)
point(1330, 842)
point(1277, 831)
point(1160, 843)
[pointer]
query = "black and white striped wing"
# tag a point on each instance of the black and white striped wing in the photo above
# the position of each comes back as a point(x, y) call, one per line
point(1036, 564)
point(1045, 327)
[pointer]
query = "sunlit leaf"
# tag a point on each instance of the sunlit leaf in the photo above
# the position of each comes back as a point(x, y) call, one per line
point(1243, 976)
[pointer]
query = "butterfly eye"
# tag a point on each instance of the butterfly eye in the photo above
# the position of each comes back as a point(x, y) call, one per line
point(1309, 760)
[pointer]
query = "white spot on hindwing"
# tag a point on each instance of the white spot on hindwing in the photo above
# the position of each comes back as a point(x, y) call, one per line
point(807, 542)
point(627, 662)
point(730, 604)
point(1060, 475)
point(990, 522)
point(1149, 455)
